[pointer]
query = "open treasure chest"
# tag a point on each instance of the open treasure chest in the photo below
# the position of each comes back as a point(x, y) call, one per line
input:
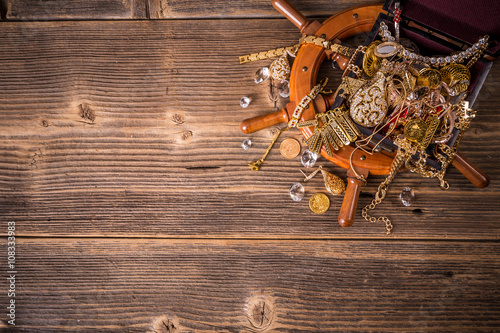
point(406, 94)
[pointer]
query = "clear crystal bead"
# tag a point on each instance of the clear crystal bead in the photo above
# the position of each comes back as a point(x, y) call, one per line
point(433, 60)
point(297, 191)
point(413, 55)
point(469, 51)
point(387, 34)
point(476, 46)
point(426, 60)
point(308, 158)
point(406, 53)
point(420, 58)
point(454, 57)
point(447, 59)
point(261, 75)
point(463, 55)
point(440, 61)
point(383, 26)
point(407, 196)
point(392, 39)
point(245, 102)
point(482, 41)
point(283, 88)
point(247, 143)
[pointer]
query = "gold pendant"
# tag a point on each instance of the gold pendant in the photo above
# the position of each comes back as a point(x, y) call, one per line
point(415, 130)
point(333, 184)
point(369, 103)
point(280, 68)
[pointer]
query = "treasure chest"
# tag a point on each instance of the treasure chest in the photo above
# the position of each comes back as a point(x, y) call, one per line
point(456, 43)
point(444, 33)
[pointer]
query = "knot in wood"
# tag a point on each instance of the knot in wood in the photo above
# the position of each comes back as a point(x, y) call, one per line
point(260, 312)
point(166, 324)
point(178, 119)
point(86, 112)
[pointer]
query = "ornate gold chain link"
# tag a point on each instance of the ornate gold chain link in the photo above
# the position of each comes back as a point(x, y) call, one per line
point(292, 50)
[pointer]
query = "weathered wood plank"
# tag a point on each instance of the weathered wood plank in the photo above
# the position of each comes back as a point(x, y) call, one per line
point(160, 9)
point(57, 10)
point(247, 286)
point(116, 128)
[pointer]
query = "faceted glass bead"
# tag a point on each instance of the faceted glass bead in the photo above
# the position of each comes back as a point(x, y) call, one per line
point(246, 144)
point(261, 75)
point(454, 57)
point(283, 88)
point(387, 34)
point(447, 59)
point(297, 191)
point(245, 102)
point(308, 158)
point(407, 196)
point(433, 60)
point(391, 39)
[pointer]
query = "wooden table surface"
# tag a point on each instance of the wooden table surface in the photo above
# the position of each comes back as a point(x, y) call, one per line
point(134, 208)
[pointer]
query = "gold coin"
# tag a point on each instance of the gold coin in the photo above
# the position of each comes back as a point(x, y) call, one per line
point(429, 77)
point(415, 130)
point(290, 148)
point(319, 203)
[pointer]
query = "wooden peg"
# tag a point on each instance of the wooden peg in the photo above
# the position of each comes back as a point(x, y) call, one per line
point(475, 175)
point(351, 196)
point(255, 124)
point(306, 26)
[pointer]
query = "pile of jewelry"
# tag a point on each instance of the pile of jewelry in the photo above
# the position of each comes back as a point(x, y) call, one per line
point(415, 102)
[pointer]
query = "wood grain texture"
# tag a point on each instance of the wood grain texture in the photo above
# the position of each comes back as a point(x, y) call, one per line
point(118, 285)
point(167, 9)
point(63, 10)
point(132, 128)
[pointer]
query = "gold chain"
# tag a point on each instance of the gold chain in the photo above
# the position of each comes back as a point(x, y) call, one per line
point(405, 151)
point(292, 50)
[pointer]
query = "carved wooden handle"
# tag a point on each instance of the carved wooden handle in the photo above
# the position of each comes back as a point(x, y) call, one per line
point(477, 177)
point(255, 124)
point(293, 15)
point(350, 203)
point(289, 11)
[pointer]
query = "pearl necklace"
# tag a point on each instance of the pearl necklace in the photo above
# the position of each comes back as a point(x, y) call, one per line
point(474, 51)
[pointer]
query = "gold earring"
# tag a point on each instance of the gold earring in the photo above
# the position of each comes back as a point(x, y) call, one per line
point(333, 184)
